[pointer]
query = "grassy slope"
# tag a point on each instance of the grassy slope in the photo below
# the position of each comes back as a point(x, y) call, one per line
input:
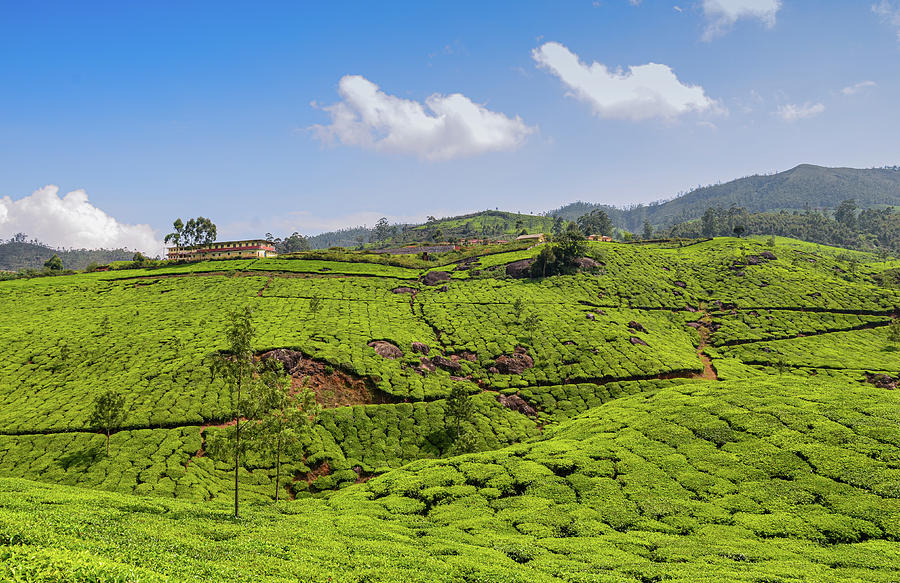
point(704, 482)
point(70, 336)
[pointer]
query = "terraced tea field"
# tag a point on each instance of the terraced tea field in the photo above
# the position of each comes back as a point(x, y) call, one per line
point(724, 410)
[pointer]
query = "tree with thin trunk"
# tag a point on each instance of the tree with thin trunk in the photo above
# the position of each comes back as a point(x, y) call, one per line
point(109, 413)
point(284, 416)
point(238, 368)
point(530, 324)
point(460, 410)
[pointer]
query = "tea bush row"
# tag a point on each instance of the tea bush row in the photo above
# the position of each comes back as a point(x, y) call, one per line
point(857, 350)
point(756, 325)
point(757, 480)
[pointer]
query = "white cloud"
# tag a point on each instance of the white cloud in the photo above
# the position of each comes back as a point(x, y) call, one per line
point(722, 14)
point(71, 221)
point(856, 88)
point(791, 112)
point(645, 91)
point(889, 14)
point(452, 127)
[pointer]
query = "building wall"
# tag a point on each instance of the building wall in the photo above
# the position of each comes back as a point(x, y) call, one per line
point(225, 250)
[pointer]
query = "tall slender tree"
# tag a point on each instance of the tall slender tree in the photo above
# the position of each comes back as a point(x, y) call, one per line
point(238, 368)
point(284, 415)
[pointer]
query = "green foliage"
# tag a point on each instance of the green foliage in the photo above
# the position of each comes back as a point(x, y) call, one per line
point(740, 481)
point(560, 256)
point(530, 324)
point(198, 231)
point(19, 254)
point(54, 263)
point(109, 409)
point(893, 335)
point(797, 189)
point(459, 416)
point(240, 371)
point(282, 417)
point(292, 244)
point(631, 468)
point(596, 222)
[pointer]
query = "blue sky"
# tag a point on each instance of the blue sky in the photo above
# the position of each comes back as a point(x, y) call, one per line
point(302, 116)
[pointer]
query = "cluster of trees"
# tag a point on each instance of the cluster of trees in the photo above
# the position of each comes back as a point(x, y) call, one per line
point(291, 244)
point(198, 231)
point(561, 255)
point(850, 227)
point(266, 412)
point(596, 222)
point(268, 415)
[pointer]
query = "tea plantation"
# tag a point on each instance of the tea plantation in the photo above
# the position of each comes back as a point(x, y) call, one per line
point(708, 411)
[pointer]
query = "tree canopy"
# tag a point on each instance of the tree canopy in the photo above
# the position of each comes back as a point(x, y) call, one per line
point(198, 231)
point(596, 222)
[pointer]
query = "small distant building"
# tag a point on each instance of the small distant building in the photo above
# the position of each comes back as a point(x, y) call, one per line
point(599, 238)
point(535, 238)
point(249, 249)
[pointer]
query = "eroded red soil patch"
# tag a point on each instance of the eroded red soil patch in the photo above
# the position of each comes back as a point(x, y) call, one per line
point(332, 387)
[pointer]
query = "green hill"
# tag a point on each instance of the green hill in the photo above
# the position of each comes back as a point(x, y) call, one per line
point(484, 224)
point(739, 481)
point(724, 410)
point(18, 255)
point(804, 187)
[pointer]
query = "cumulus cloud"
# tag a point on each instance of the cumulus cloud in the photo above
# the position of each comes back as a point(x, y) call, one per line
point(791, 112)
point(857, 87)
point(643, 92)
point(71, 221)
point(889, 14)
point(722, 14)
point(445, 127)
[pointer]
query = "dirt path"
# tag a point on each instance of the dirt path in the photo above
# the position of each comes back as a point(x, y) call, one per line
point(265, 287)
point(709, 373)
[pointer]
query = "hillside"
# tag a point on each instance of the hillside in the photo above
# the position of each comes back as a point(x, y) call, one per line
point(485, 224)
point(798, 189)
point(19, 255)
point(806, 186)
point(490, 224)
point(724, 410)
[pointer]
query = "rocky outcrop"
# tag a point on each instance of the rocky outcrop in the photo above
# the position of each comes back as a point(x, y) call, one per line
point(515, 363)
point(435, 277)
point(516, 403)
point(636, 326)
point(446, 363)
point(519, 269)
point(882, 381)
point(385, 349)
point(289, 359)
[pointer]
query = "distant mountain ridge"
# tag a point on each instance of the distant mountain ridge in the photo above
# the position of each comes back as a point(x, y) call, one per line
point(18, 255)
point(804, 187)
